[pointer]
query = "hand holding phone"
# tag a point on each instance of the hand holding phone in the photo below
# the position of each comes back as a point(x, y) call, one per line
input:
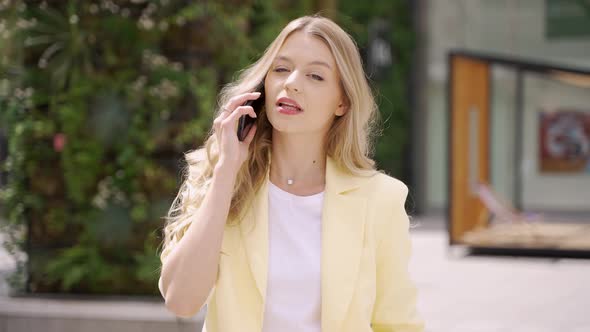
point(246, 122)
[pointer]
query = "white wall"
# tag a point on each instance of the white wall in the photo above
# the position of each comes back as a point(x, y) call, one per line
point(503, 132)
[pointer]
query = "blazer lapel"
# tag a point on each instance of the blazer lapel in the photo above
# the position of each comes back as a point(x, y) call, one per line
point(254, 229)
point(343, 220)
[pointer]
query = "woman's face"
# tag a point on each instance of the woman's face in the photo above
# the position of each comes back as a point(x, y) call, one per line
point(305, 72)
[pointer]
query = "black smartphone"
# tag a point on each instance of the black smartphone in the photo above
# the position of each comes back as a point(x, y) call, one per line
point(246, 121)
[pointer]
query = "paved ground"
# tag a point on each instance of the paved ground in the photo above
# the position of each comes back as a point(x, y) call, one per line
point(496, 294)
point(457, 292)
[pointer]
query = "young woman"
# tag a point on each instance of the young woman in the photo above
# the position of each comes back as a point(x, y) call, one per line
point(293, 228)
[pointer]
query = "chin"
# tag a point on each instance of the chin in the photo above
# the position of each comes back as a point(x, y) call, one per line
point(285, 128)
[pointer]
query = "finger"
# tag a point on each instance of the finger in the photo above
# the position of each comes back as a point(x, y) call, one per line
point(217, 123)
point(236, 102)
point(242, 110)
point(223, 113)
point(250, 135)
point(241, 99)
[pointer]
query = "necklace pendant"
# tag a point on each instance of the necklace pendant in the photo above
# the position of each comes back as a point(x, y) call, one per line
point(289, 181)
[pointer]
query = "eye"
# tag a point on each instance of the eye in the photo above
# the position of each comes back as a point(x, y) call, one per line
point(317, 77)
point(280, 69)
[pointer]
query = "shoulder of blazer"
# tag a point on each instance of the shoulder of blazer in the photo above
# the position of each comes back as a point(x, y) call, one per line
point(390, 216)
point(386, 187)
point(387, 196)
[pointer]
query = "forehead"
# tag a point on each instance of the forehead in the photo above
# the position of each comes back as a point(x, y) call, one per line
point(304, 47)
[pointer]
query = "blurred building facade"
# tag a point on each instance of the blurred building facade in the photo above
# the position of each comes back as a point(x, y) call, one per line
point(546, 31)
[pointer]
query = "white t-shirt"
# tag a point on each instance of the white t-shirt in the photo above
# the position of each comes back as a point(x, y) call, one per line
point(293, 294)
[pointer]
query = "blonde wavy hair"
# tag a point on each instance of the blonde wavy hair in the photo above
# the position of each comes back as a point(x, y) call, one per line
point(349, 140)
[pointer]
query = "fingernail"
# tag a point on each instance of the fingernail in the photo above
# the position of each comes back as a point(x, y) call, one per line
point(257, 92)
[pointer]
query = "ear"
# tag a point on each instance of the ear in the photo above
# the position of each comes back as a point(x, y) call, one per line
point(342, 109)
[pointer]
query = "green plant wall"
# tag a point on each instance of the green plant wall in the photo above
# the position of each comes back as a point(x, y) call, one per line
point(99, 100)
point(391, 86)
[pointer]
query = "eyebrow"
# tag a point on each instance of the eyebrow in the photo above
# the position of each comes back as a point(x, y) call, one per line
point(316, 62)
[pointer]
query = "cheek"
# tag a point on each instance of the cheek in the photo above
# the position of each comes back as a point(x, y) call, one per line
point(327, 100)
point(271, 92)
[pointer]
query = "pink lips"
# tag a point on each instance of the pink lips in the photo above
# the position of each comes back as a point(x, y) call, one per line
point(285, 105)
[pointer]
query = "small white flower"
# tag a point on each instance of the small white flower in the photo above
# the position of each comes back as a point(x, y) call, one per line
point(159, 60)
point(177, 66)
point(163, 25)
point(139, 83)
point(93, 8)
point(74, 19)
point(99, 202)
point(146, 23)
point(21, 23)
point(180, 21)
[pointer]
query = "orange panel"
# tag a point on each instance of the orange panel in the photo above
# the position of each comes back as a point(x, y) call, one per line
point(469, 139)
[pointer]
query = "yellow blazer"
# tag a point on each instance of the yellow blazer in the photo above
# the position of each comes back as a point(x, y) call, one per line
point(365, 251)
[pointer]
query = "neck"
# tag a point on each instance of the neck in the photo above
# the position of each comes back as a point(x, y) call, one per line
point(297, 158)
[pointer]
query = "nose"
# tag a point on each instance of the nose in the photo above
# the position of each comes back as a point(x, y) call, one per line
point(292, 82)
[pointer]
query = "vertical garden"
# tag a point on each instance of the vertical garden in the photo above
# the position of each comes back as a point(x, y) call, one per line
point(100, 99)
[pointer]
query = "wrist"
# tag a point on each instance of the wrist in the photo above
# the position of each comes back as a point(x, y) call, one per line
point(225, 169)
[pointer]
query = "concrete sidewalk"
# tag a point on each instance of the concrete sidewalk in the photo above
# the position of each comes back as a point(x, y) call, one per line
point(457, 293)
point(462, 293)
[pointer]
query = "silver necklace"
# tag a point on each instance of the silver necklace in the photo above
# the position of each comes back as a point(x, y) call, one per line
point(290, 181)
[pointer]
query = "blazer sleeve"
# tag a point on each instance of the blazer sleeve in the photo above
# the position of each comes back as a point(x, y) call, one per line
point(395, 305)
